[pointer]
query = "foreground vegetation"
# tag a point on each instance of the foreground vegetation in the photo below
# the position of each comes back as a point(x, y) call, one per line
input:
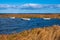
point(46, 33)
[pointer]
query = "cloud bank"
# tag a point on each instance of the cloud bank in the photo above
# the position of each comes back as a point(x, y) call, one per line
point(30, 6)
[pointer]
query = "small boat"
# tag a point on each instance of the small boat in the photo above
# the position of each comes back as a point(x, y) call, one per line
point(46, 18)
point(26, 18)
point(12, 17)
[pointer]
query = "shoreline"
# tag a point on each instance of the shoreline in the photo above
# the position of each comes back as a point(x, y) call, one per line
point(30, 15)
point(48, 33)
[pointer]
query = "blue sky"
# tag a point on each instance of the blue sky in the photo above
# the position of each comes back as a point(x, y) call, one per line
point(29, 1)
point(29, 6)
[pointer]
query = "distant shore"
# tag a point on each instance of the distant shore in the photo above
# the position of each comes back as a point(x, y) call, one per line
point(30, 15)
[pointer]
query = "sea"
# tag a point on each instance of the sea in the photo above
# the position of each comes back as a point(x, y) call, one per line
point(16, 25)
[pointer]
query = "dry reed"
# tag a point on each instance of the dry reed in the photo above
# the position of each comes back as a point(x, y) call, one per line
point(46, 33)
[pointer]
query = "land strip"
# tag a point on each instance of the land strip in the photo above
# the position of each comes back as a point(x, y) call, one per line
point(30, 15)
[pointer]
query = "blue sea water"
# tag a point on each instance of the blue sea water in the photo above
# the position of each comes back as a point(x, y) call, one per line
point(8, 25)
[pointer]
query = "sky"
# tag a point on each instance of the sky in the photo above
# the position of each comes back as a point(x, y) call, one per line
point(29, 6)
point(29, 1)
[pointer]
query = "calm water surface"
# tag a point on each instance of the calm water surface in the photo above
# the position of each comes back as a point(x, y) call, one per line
point(8, 25)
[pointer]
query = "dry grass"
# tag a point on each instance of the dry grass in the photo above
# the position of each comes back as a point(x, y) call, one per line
point(46, 33)
point(30, 15)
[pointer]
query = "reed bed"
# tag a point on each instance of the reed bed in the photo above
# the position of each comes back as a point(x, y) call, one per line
point(46, 33)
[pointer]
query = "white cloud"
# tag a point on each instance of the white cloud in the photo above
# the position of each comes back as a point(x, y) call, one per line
point(39, 6)
point(30, 6)
point(4, 5)
point(58, 5)
point(33, 6)
point(7, 6)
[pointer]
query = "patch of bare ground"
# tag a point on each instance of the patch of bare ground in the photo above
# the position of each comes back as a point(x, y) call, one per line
point(46, 33)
